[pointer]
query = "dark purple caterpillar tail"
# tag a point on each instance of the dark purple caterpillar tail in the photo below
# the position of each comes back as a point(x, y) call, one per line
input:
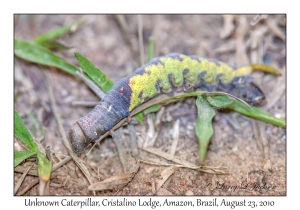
point(77, 138)
point(112, 109)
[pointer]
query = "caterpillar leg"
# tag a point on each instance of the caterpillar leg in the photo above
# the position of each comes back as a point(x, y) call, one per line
point(128, 119)
point(111, 132)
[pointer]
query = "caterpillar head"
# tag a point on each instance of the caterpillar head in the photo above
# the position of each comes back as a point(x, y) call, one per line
point(248, 90)
point(255, 96)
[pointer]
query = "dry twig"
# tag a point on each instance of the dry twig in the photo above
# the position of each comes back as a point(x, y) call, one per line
point(85, 103)
point(206, 169)
point(125, 31)
point(91, 85)
point(228, 26)
point(128, 162)
point(77, 160)
point(22, 178)
point(259, 130)
point(175, 139)
point(113, 183)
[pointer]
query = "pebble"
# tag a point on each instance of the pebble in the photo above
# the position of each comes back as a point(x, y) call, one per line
point(189, 193)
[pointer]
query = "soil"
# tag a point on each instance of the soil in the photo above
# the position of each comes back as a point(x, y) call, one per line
point(254, 153)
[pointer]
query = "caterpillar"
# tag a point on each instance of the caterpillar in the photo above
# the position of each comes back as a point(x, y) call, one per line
point(170, 74)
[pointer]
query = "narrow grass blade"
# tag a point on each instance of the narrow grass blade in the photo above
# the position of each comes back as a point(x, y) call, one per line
point(21, 132)
point(99, 77)
point(152, 109)
point(53, 45)
point(56, 32)
point(224, 101)
point(139, 117)
point(44, 171)
point(38, 54)
point(94, 73)
point(204, 129)
point(257, 113)
point(219, 101)
point(44, 166)
point(20, 156)
point(235, 105)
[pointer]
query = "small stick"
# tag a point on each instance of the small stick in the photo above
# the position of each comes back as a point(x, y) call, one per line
point(216, 170)
point(77, 160)
point(22, 178)
point(175, 139)
point(91, 85)
point(54, 168)
point(29, 187)
point(85, 103)
point(133, 140)
point(125, 31)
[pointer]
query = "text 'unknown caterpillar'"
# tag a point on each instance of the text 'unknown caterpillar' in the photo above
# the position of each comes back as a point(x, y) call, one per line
point(165, 75)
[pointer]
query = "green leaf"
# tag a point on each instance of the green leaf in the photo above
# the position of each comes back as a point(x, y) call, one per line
point(204, 129)
point(44, 167)
point(257, 113)
point(236, 105)
point(56, 33)
point(37, 126)
point(53, 45)
point(38, 54)
point(19, 156)
point(94, 73)
point(99, 77)
point(139, 117)
point(152, 109)
point(21, 132)
point(219, 101)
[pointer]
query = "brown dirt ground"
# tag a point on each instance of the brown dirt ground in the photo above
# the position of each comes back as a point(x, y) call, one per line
point(231, 39)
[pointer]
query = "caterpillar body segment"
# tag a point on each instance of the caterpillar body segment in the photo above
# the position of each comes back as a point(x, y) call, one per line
point(165, 75)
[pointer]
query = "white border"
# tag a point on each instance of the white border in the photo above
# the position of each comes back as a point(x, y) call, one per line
point(212, 6)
